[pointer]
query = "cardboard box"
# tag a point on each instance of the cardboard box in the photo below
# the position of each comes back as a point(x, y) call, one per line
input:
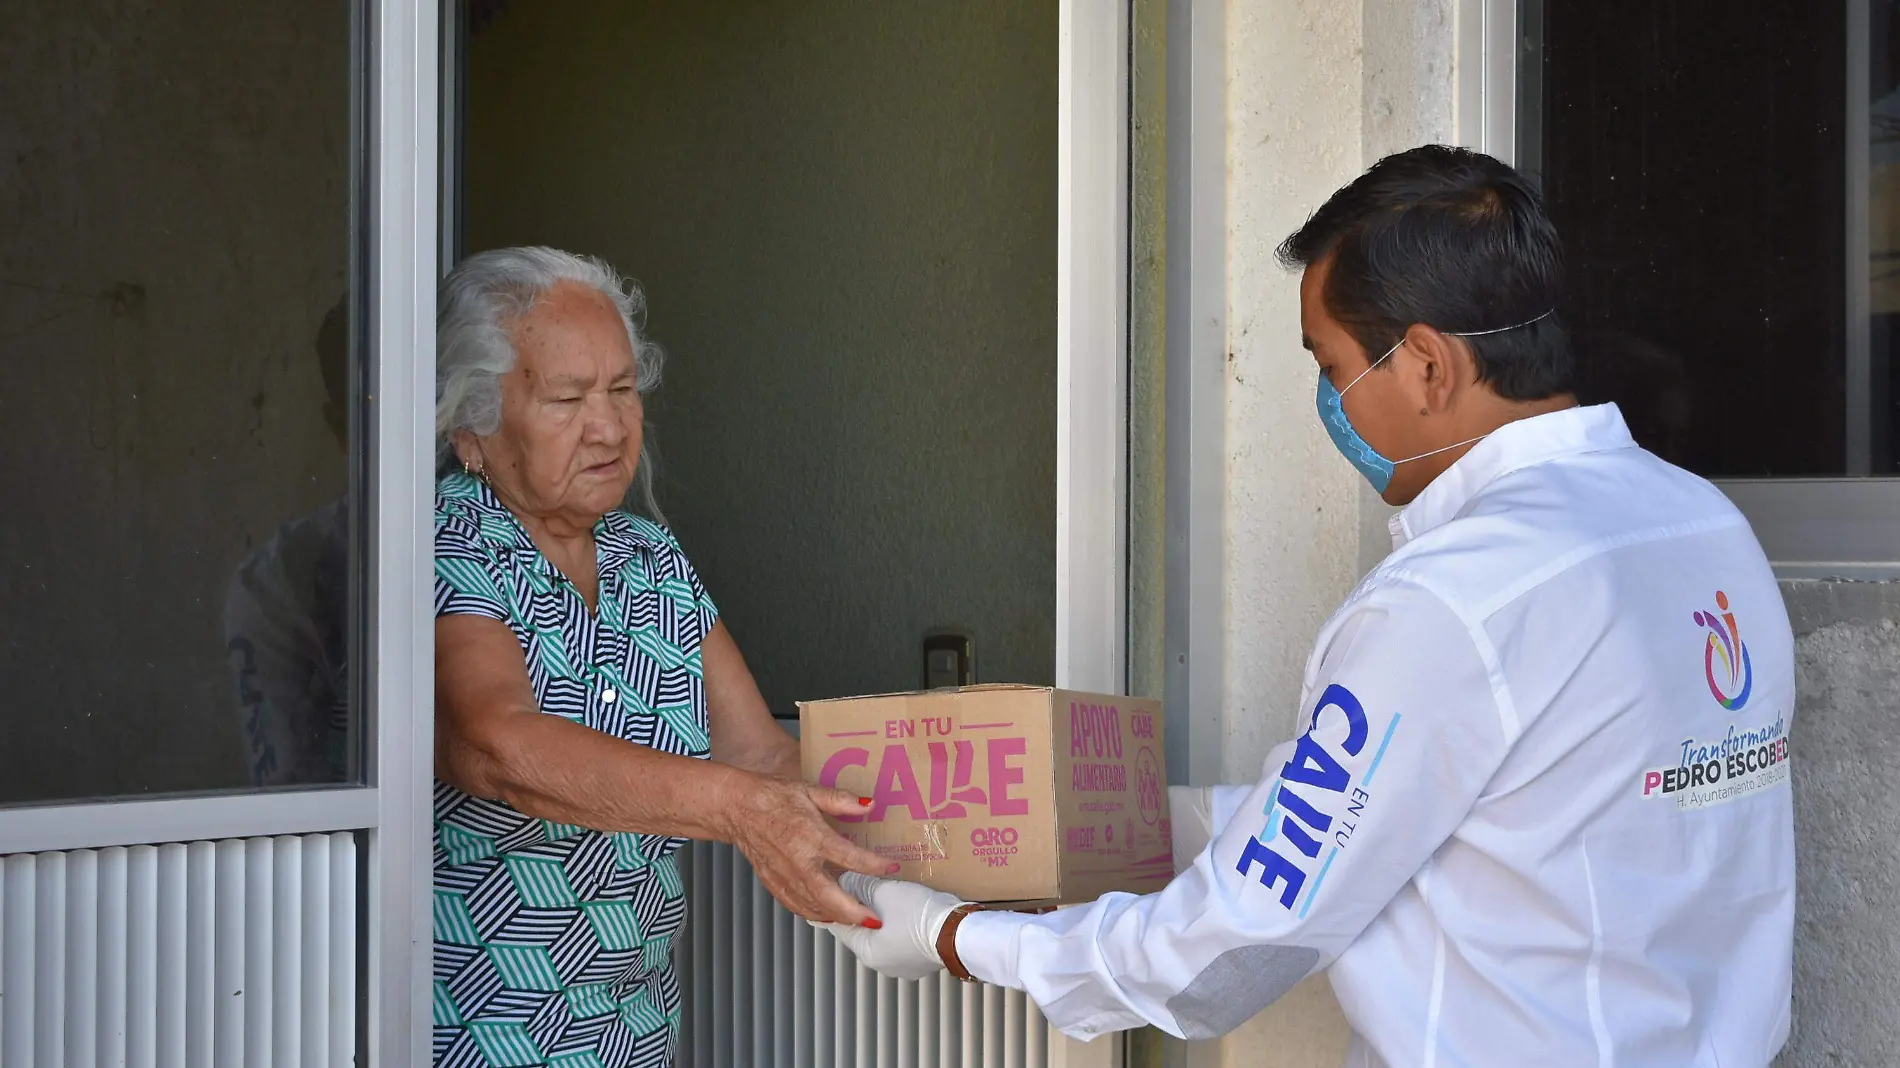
point(1002, 793)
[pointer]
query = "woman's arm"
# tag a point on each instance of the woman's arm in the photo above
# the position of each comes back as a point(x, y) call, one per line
point(493, 741)
point(744, 734)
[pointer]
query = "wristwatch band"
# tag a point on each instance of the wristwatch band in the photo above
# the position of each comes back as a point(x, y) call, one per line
point(947, 941)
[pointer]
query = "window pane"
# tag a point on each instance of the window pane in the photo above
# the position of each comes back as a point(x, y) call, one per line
point(175, 321)
point(1700, 171)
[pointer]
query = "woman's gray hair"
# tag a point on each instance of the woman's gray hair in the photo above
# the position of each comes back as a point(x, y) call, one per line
point(480, 299)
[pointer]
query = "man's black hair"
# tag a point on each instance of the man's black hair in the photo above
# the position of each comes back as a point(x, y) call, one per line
point(1453, 239)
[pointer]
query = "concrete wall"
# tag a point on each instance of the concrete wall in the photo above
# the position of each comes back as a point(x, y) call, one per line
point(1847, 821)
point(843, 214)
point(174, 185)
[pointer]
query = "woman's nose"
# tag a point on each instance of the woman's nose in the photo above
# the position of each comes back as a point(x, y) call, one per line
point(604, 422)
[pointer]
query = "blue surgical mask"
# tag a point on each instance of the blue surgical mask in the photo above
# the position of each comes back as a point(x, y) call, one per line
point(1356, 449)
point(1376, 468)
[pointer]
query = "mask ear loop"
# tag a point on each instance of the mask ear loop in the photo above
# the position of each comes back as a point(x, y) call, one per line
point(1499, 330)
point(1453, 333)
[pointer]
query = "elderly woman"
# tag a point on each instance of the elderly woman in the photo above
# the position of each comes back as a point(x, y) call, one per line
point(592, 711)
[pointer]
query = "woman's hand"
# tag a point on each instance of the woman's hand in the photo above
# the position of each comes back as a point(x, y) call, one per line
point(779, 825)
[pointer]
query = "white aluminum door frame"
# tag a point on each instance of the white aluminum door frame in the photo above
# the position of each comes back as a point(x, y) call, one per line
point(1091, 375)
point(400, 50)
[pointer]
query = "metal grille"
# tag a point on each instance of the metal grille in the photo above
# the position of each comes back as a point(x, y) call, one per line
point(232, 954)
point(764, 989)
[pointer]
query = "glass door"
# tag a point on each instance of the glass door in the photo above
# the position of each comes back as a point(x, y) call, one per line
point(216, 311)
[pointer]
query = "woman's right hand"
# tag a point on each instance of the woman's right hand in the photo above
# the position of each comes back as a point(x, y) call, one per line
point(779, 825)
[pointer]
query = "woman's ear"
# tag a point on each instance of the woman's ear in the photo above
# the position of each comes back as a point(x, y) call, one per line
point(468, 450)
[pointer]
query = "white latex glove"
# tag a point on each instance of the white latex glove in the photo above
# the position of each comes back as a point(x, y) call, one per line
point(905, 946)
point(1191, 818)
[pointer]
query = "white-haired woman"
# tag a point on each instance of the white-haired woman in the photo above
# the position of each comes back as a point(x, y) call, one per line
point(583, 681)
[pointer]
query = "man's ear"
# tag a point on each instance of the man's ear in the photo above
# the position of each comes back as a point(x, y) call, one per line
point(1438, 363)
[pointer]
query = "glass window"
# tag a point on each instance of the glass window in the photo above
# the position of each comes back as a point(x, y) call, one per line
point(1729, 192)
point(178, 326)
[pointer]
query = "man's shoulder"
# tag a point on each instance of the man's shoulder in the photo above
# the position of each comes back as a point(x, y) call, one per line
point(1531, 526)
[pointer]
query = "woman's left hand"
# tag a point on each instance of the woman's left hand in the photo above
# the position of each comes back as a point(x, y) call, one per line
point(779, 825)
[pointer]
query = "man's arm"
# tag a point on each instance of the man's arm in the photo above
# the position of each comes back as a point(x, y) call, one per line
point(1402, 732)
point(1197, 814)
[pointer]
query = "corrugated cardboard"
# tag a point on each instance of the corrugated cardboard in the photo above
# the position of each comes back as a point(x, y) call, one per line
point(1001, 793)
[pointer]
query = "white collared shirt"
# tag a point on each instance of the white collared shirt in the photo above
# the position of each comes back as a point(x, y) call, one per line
point(1540, 813)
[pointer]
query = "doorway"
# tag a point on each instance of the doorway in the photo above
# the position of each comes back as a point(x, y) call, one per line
point(886, 248)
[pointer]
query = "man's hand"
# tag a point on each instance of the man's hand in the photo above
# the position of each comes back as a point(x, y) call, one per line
point(1191, 817)
point(905, 947)
point(779, 825)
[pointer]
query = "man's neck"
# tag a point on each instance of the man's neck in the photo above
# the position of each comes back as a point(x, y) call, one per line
point(1482, 423)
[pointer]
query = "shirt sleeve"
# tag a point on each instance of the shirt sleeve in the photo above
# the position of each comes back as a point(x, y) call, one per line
point(1402, 731)
point(702, 600)
point(1230, 800)
point(466, 582)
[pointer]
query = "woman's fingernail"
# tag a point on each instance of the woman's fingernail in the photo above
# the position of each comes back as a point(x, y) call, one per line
point(893, 869)
point(865, 801)
point(873, 923)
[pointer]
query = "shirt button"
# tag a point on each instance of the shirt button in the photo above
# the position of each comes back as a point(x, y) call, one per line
point(607, 695)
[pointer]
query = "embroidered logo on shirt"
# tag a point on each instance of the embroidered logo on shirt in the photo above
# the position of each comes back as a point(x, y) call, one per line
point(1725, 659)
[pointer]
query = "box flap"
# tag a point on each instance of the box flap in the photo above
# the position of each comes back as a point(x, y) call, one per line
point(981, 687)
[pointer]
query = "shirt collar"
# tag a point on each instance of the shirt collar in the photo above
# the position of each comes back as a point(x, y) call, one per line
point(618, 536)
point(1511, 447)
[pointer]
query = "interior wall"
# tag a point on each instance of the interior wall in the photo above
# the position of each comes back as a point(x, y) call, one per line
point(843, 215)
point(174, 180)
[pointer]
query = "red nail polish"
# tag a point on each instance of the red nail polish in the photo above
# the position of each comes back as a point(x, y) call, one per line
point(893, 869)
point(873, 924)
point(865, 801)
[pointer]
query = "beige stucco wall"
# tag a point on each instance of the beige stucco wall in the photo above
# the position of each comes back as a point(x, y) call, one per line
point(1317, 89)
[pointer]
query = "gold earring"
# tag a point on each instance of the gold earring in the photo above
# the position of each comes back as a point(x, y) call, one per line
point(478, 473)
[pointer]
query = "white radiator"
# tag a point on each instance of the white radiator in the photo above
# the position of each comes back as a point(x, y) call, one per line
point(234, 954)
point(763, 989)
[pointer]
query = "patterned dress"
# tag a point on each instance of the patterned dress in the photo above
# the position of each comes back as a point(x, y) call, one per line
point(553, 944)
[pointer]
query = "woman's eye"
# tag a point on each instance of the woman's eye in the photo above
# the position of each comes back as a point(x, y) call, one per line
point(621, 391)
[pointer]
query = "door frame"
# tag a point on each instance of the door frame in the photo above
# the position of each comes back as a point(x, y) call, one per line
point(1092, 355)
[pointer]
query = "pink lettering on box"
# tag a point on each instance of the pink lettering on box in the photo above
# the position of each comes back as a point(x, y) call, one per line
point(950, 791)
point(1003, 776)
point(849, 757)
point(1095, 731)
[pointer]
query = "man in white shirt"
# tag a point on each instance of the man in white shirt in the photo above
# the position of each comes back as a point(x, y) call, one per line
point(1540, 813)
